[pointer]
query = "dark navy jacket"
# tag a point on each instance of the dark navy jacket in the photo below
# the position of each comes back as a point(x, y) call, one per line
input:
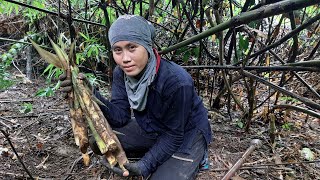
point(173, 110)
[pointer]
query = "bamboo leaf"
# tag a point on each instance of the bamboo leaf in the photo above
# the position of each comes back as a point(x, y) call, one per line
point(61, 54)
point(48, 56)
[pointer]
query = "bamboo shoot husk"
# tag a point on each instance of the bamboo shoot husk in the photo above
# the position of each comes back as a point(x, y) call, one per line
point(84, 110)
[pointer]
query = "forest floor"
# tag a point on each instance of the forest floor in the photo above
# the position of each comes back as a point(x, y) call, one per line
point(43, 139)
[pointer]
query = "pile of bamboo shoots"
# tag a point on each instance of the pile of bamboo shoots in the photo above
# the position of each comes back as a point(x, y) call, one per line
point(85, 110)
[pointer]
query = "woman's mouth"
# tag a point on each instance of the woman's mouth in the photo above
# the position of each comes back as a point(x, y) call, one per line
point(128, 68)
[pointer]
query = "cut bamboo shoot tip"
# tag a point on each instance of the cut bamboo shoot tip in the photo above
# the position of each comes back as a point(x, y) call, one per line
point(125, 173)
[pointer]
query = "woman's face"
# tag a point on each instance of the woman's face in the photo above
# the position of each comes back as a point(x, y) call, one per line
point(131, 57)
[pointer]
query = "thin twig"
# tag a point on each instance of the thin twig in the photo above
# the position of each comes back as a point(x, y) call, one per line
point(6, 125)
point(14, 175)
point(279, 59)
point(263, 166)
point(287, 36)
point(16, 100)
point(73, 164)
point(256, 68)
point(284, 91)
point(22, 42)
point(6, 135)
point(54, 13)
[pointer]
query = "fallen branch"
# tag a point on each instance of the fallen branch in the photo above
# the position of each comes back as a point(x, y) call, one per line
point(310, 63)
point(257, 68)
point(297, 108)
point(19, 41)
point(6, 125)
point(286, 163)
point(16, 100)
point(264, 166)
point(42, 163)
point(255, 143)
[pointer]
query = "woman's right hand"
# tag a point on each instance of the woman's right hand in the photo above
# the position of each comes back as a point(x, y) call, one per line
point(66, 84)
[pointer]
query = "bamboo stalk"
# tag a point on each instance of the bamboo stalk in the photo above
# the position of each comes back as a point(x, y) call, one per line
point(100, 142)
point(98, 120)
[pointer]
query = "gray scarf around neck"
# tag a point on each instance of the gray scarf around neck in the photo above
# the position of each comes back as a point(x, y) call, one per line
point(137, 90)
point(138, 30)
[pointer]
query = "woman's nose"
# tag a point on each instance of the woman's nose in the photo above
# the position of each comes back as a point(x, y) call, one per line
point(126, 57)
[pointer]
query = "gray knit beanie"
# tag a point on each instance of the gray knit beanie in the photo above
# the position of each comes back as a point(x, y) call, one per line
point(132, 28)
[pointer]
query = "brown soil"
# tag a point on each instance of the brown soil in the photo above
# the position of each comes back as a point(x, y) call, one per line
point(43, 139)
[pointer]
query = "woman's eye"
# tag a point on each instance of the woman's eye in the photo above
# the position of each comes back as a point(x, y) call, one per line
point(131, 48)
point(117, 50)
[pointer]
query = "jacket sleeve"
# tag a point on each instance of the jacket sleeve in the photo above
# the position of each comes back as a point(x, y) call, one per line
point(178, 106)
point(117, 111)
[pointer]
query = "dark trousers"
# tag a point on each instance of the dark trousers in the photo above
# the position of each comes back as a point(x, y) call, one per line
point(180, 166)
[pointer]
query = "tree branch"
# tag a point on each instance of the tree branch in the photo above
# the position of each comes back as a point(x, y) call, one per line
point(246, 17)
point(297, 108)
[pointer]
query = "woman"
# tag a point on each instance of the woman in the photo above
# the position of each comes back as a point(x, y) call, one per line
point(154, 106)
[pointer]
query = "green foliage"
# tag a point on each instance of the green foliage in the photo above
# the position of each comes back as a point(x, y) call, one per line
point(91, 48)
point(33, 15)
point(312, 10)
point(187, 53)
point(8, 8)
point(243, 43)
point(287, 98)
point(93, 80)
point(5, 80)
point(145, 8)
point(26, 108)
point(287, 126)
point(52, 72)
point(6, 59)
point(48, 91)
point(240, 124)
point(243, 47)
point(13, 51)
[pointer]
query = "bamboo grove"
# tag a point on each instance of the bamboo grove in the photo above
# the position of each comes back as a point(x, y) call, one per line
point(223, 44)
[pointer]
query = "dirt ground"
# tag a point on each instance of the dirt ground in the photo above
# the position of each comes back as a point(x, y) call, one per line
point(43, 139)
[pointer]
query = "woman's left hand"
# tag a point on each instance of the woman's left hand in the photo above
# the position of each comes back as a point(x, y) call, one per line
point(134, 169)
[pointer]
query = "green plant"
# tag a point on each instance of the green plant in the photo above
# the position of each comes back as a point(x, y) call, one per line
point(243, 47)
point(91, 48)
point(5, 80)
point(187, 53)
point(287, 126)
point(240, 124)
point(26, 108)
point(287, 98)
point(11, 53)
point(48, 91)
point(6, 59)
point(8, 8)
